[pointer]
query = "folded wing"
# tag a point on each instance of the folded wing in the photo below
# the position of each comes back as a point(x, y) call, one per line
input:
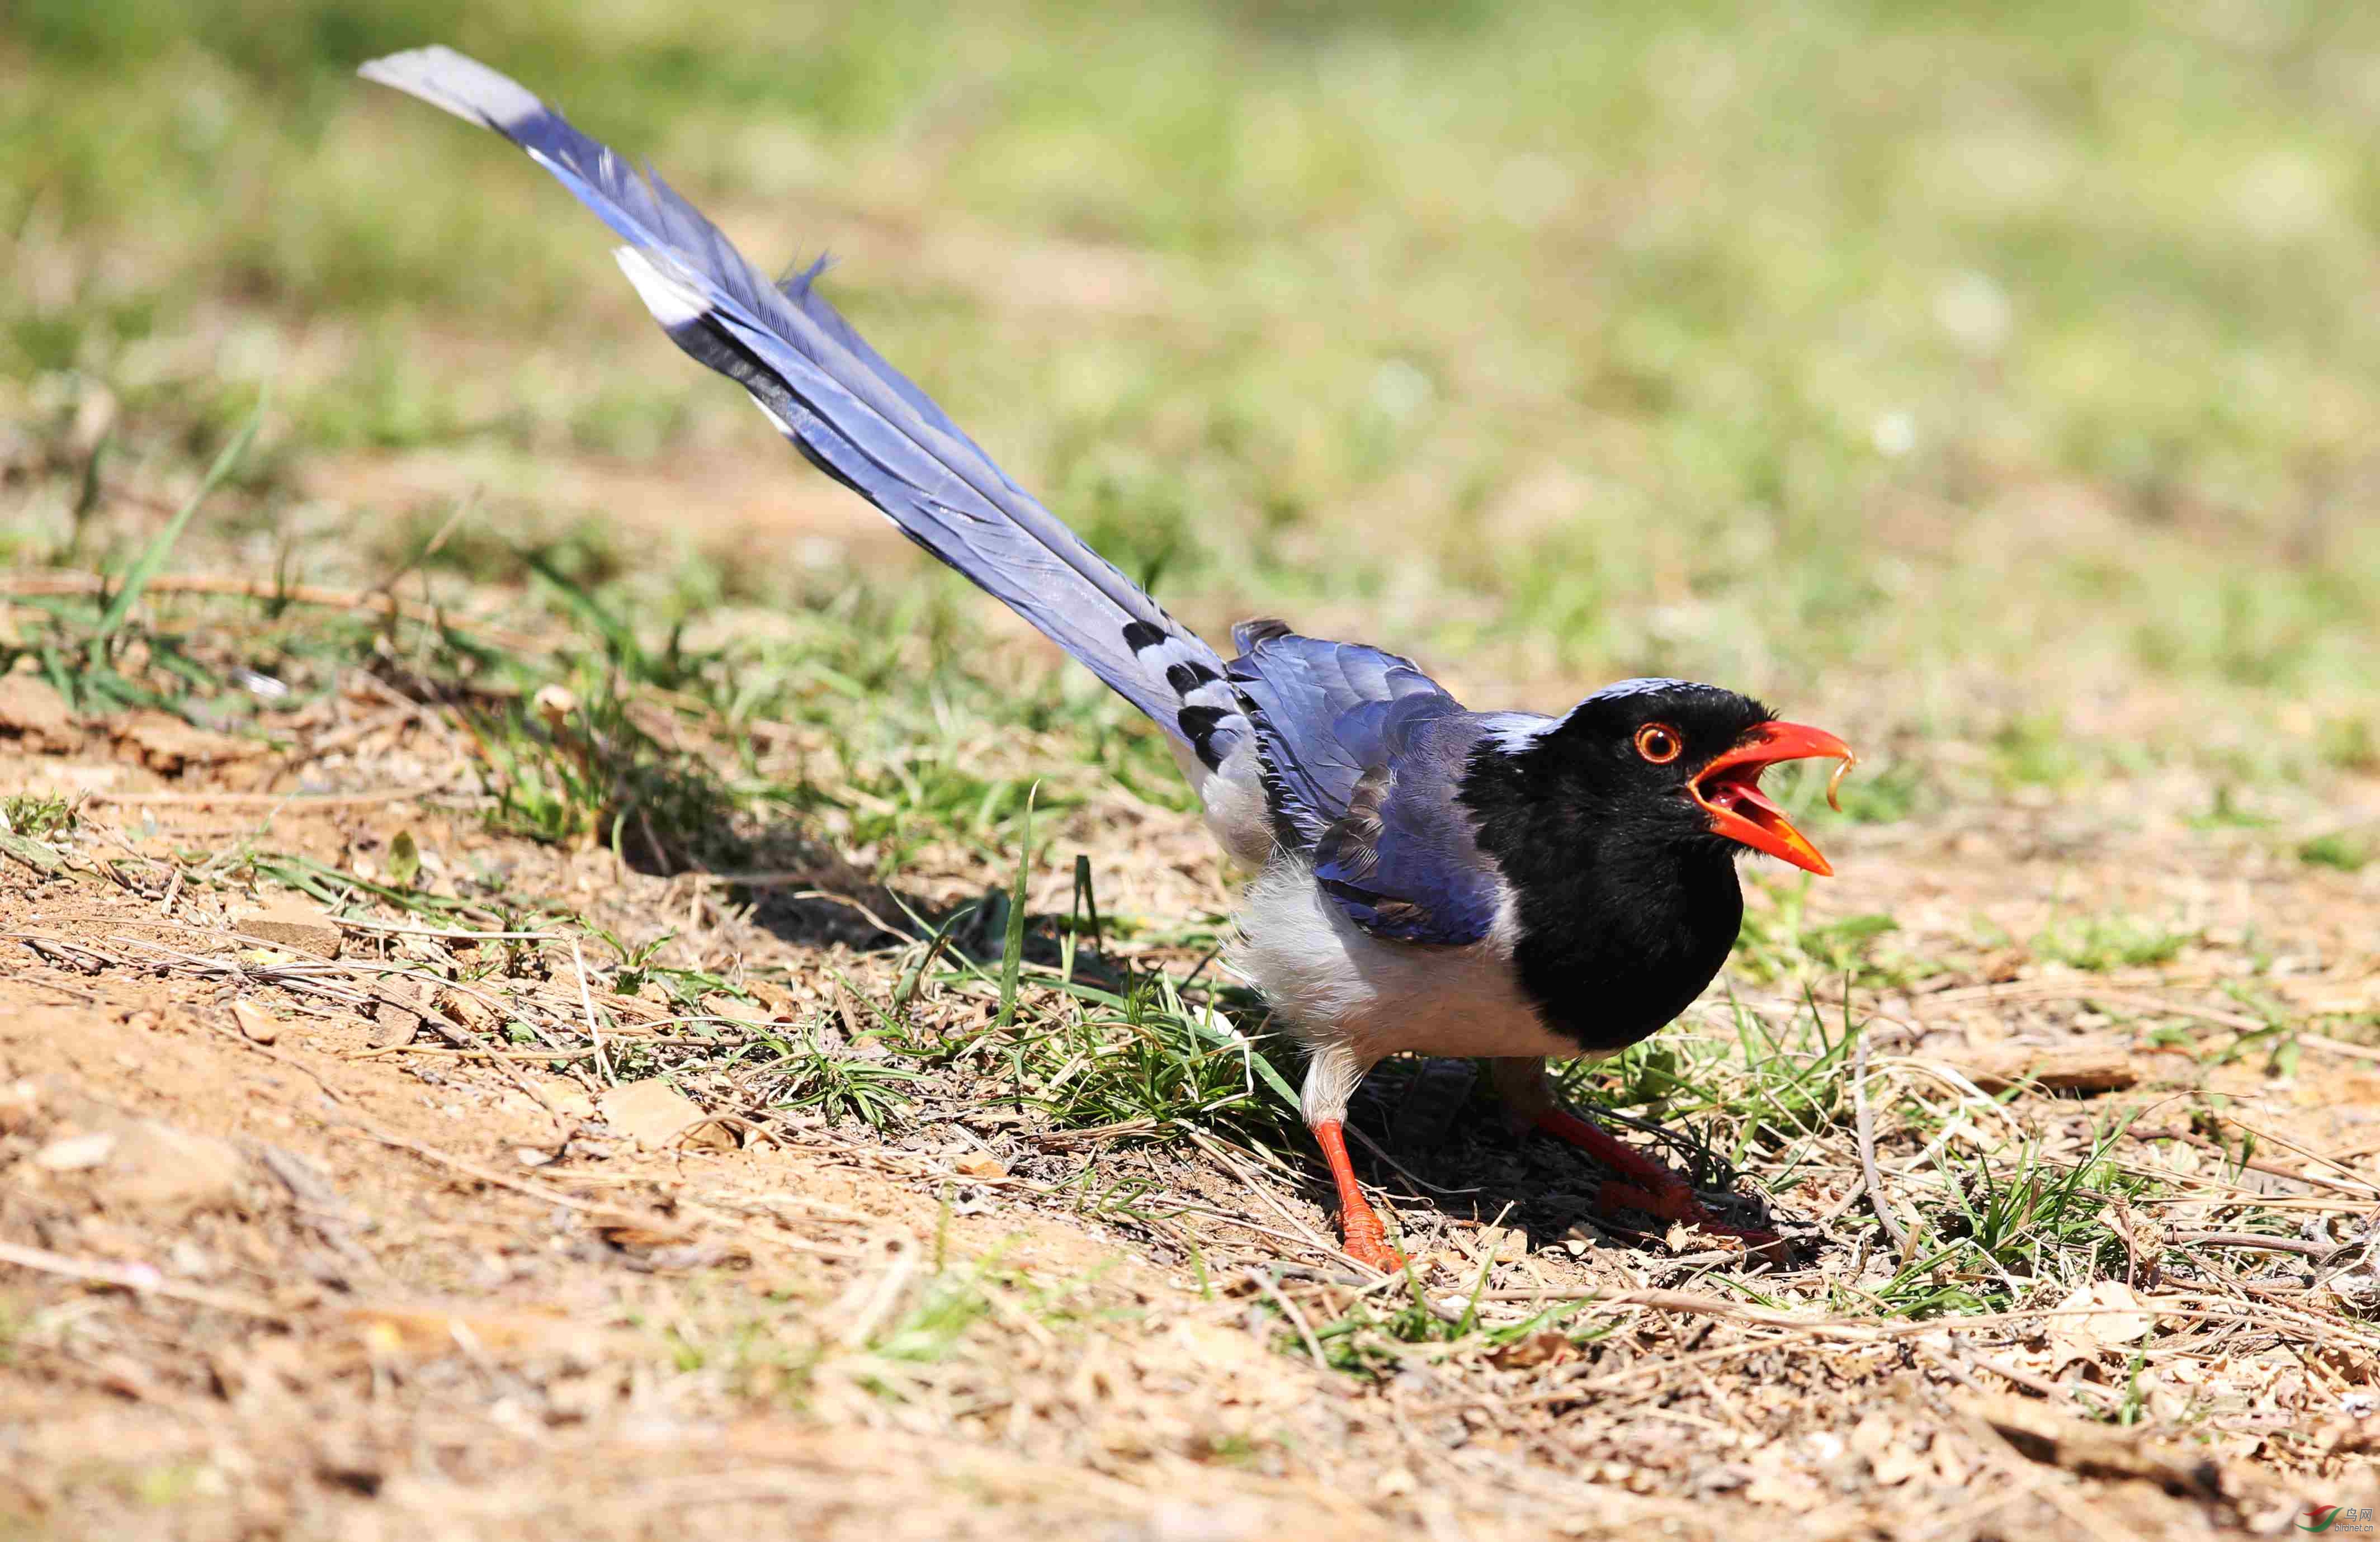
point(1363, 756)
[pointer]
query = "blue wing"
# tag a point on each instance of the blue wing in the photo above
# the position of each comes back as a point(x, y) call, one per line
point(1363, 758)
point(853, 415)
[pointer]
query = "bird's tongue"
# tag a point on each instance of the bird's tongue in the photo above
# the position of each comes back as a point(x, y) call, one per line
point(1742, 795)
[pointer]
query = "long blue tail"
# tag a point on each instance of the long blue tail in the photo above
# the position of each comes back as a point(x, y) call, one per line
point(854, 416)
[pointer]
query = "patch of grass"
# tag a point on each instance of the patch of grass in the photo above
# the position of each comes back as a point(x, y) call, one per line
point(2037, 751)
point(2349, 744)
point(2011, 1222)
point(1781, 942)
point(1087, 1046)
point(2338, 849)
point(1758, 1088)
point(1885, 795)
point(1380, 1338)
point(838, 1085)
point(1884, 411)
point(1142, 1060)
point(35, 815)
point(482, 901)
point(174, 1483)
point(569, 769)
point(937, 1313)
point(2097, 943)
point(2228, 812)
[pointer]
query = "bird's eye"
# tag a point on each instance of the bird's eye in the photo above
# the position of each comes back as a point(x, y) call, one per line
point(1659, 743)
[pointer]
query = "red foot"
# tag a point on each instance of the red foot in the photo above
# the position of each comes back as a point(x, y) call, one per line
point(1373, 1252)
point(1366, 1240)
point(1677, 1202)
point(1646, 1185)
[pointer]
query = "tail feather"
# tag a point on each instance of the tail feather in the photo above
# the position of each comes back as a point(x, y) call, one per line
point(856, 416)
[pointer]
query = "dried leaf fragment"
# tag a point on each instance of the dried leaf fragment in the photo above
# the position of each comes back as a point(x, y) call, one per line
point(2082, 1068)
point(2092, 1321)
point(657, 1116)
point(32, 712)
point(259, 1026)
point(296, 926)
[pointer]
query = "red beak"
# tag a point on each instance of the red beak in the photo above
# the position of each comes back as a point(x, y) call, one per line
point(1728, 789)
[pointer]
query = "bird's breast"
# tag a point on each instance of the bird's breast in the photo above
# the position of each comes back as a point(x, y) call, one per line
point(1331, 981)
point(1604, 976)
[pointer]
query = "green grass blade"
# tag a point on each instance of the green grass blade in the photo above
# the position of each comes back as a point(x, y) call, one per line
point(1012, 955)
point(152, 560)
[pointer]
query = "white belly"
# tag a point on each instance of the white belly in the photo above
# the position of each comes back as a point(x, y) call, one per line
point(1355, 997)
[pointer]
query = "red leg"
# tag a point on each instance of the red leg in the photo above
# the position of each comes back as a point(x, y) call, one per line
point(1646, 1185)
point(1366, 1241)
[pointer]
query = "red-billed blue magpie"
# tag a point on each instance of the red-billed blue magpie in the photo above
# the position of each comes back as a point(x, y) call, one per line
point(1428, 879)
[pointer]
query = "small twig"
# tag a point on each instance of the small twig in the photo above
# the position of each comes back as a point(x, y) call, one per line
point(295, 594)
point(139, 1279)
point(1878, 1200)
point(1381, 1156)
point(587, 1002)
point(1297, 1318)
point(2010, 1374)
point(1183, 1207)
point(472, 1169)
point(2318, 1250)
point(780, 880)
point(881, 1302)
point(1220, 1152)
point(583, 1052)
point(294, 800)
point(356, 923)
point(2286, 1144)
point(292, 1062)
point(2190, 1137)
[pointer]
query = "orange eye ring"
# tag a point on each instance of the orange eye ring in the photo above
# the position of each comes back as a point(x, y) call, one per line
point(1659, 743)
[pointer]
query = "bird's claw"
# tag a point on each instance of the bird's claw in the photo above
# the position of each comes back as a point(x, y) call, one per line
point(1677, 1202)
point(1372, 1251)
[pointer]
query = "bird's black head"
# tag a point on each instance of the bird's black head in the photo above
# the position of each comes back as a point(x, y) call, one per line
point(1617, 828)
point(1650, 765)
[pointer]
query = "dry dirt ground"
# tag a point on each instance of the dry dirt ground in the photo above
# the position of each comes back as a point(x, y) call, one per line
point(327, 1221)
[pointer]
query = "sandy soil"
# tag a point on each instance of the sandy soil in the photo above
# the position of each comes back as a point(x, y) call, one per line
point(294, 1249)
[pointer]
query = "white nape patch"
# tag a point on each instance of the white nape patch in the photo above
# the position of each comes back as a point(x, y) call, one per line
point(456, 82)
point(1356, 999)
point(671, 299)
point(1647, 686)
point(1514, 733)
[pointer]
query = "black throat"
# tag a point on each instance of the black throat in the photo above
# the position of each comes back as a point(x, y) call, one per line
point(1621, 925)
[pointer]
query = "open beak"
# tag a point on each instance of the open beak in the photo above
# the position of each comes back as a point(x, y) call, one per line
point(1728, 790)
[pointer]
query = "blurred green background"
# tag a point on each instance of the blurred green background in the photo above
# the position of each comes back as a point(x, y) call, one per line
point(2006, 373)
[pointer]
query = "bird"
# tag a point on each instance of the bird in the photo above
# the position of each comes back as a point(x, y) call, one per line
point(1505, 886)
